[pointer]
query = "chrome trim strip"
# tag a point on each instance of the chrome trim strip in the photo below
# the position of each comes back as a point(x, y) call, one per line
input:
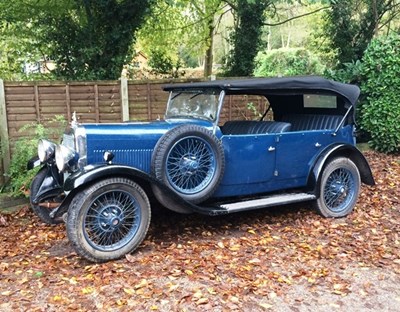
point(81, 146)
point(272, 200)
point(220, 104)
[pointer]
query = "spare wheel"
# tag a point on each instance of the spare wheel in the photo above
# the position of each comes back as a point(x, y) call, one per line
point(190, 160)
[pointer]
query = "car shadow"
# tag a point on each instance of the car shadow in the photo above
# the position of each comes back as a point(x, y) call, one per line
point(170, 227)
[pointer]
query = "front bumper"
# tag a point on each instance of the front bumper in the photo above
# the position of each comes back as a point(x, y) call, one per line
point(33, 163)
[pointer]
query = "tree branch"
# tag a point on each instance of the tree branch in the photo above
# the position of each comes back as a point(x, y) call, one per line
point(231, 4)
point(296, 17)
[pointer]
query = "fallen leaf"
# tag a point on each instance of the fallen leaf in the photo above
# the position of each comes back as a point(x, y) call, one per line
point(221, 245)
point(266, 306)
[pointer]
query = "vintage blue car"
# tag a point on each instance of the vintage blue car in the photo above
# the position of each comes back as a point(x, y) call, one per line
point(102, 178)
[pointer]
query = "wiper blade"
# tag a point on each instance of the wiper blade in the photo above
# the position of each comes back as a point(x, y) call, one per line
point(176, 95)
point(193, 96)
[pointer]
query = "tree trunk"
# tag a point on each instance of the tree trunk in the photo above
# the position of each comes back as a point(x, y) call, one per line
point(208, 60)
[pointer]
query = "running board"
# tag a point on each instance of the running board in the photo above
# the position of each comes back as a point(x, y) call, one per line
point(273, 200)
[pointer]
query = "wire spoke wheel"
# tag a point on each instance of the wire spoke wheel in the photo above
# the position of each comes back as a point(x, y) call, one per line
point(188, 159)
point(190, 165)
point(108, 219)
point(112, 220)
point(339, 188)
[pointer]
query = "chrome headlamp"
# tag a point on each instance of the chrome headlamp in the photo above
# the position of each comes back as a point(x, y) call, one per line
point(46, 149)
point(65, 158)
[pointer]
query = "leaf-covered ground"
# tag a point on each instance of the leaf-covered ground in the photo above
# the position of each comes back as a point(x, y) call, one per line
point(281, 259)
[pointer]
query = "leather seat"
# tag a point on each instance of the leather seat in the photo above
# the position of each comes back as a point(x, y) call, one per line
point(312, 122)
point(254, 127)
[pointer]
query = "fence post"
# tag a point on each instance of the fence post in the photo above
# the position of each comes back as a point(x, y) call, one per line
point(4, 139)
point(124, 99)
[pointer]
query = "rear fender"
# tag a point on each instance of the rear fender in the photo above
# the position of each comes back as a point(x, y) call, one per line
point(341, 150)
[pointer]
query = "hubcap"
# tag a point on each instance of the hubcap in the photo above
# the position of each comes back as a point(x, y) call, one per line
point(189, 165)
point(110, 218)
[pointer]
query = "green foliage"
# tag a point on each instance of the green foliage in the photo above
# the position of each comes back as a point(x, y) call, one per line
point(348, 73)
point(246, 38)
point(163, 30)
point(288, 62)
point(351, 25)
point(182, 29)
point(254, 111)
point(95, 38)
point(21, 31)
point(86, 39)
point(18, 47)
point(25, 148)
point(291, 22)
point(163, 65)
point(381, 85)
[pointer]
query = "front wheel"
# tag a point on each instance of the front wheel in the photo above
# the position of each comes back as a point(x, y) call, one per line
point(339, 188)
point(108, 219)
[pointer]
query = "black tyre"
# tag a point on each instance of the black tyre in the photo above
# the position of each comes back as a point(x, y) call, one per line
point(190, 160)
point(42, 209)
point(339, 188)
point(108, 219)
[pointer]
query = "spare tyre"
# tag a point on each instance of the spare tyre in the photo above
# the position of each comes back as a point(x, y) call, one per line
point(190, 160)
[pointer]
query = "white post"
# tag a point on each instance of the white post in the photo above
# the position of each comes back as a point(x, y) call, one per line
point(124, 99)
point(4, 138)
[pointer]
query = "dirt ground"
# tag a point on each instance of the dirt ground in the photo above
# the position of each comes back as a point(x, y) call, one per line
point(281, 259)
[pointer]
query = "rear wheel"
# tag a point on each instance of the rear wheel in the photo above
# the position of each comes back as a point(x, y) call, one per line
point(108, 220)
point(339, 188)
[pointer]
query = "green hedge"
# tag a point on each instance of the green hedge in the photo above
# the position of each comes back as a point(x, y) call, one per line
point(25, 148)
point(380, 83)
point(287, 62)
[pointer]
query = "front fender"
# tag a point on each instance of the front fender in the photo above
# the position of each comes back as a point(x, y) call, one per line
point(344, 150)
point(50, 186)
point(97, 172)
point(90, 174)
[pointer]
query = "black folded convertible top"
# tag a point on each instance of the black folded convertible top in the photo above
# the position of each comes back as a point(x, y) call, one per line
point(275, 85)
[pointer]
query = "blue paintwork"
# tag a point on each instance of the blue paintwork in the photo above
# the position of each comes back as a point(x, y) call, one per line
point(297, 151)
point(254, 163)
point(250, 167)
point(241, 153)
point(131, 143)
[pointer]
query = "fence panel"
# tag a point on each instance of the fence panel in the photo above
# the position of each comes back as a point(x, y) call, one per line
point(109, 97)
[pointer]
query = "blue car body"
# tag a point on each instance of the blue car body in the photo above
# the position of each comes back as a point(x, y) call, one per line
point(191, 162)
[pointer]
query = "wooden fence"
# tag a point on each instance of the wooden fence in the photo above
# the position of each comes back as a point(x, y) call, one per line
point(23, 103)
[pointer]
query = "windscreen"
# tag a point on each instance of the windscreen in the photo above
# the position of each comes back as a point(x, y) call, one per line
point(201, 104)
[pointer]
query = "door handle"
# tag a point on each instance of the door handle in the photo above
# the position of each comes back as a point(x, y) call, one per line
point(271, 149)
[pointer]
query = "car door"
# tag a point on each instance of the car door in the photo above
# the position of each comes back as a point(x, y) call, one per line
point(295, 152)
point(249, 164)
